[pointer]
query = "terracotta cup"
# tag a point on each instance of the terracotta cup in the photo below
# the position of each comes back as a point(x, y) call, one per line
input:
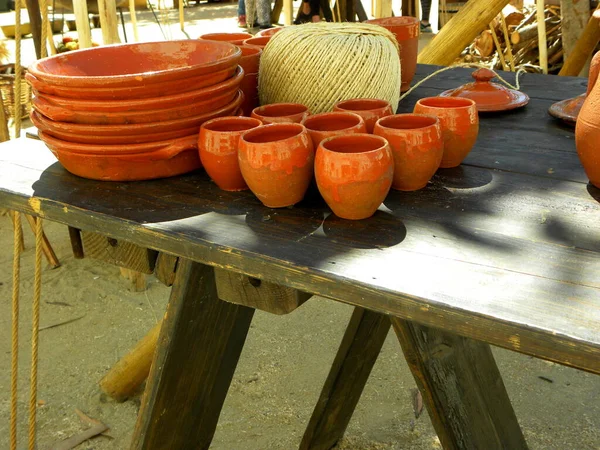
point(234, 38)
point(269, 31)
point(218, 146)
point(324, 125)
point(281, 113)
point(460, 125)
point(417, 145)
point(249, 87)
point(277, 163)
point(250, 59)
point(258, 41)
point(406, 31)
point(370, 109)
point(354, 174)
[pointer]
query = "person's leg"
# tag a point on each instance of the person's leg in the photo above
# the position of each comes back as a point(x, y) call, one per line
point(241, 13)
point(315, 8)
point(426, 10)
point(263, 13)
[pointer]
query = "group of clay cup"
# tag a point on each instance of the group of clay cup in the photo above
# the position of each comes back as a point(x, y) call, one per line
point(356, 153)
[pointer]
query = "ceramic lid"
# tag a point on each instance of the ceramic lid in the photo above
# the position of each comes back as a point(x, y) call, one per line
point(489, 96)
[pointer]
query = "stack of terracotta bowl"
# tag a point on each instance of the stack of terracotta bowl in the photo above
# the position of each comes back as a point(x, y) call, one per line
point(133, 111)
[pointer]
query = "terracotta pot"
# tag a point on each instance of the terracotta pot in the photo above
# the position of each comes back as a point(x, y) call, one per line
point(233, 38)
point(127, 167)
point(354, 174)
point(46, 124)
point(144, 104)
point(281, 113)
point(269, 31)
point(110, 140)
point(587, 130)
point(135, 92)
point(277, 163)
point(138, 64)
point(249, 87)
point(218, 147)
point(324, 125)
point(406, 31)
point(260, 41)
point(250, 60)
point(460, 125)
point(370, 109)
point(58, 113)
point(417, 145)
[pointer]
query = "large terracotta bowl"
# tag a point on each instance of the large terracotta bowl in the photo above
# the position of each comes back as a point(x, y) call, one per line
point(55, 127)
point(233, 38)
point(136, 64)
point(134, 92)
point(174, 159)
point(228, 86)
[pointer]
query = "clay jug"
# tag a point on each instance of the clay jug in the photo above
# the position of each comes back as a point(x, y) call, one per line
point(587, 130)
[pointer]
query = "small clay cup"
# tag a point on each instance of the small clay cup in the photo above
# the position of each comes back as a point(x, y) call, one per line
point(324, 125)
point(354, 174)
point(417, 145)
point(249, 87)
point(250, 60)
point(218, 147)
point(234, 38)
point(281, 113)
point(406, 31)
point(370, 109)
point(269, 31)
point(460, 125)
point(277, 163)
point(258, 41)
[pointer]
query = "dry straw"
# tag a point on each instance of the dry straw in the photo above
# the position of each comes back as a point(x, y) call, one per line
point(319, 64)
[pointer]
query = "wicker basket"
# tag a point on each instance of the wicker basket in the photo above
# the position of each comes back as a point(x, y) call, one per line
point(7, 88)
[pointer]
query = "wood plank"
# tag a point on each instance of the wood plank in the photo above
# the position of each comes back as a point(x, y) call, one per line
point(199, 346)
point(166, 267)
point(118, 252)
point(356, 356)
point(269, 297)
point(76, 243)
point(137, 280)
point(574, 17)
point(461, 387)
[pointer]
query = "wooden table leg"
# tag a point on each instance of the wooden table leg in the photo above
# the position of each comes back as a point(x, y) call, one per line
point(461, 387)
point(198, 349)
point(351, 368)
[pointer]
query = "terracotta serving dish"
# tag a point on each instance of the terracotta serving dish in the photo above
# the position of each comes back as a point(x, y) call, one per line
point(45, 124)
point(233, 38)
point(58, 113)
point(178, 158)
point(132, 93)
point(138, 64)
point(145, 104)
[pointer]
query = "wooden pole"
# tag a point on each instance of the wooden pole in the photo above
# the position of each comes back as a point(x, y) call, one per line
point(35, 19)
point(460, 31)
point(288, 12)
point(82, 23)
point(542, 44)
point(108, 21)
point(498, 47)
point(584, 47)
point(123, 380)
point(133, 20)
point(509, 53)
point(575, 15)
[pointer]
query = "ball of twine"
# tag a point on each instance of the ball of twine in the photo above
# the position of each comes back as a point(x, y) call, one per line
point(320, 64)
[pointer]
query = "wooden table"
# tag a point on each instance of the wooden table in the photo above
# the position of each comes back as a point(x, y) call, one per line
point(503, 250)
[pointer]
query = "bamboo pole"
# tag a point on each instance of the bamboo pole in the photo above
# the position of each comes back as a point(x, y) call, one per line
point(460, 31)
point(82, 23)
point(585, 46)
point(288, 12)
point(542, 44)
point(107, 10)
point(133, 20)
point(511, 60)
point(498, 47)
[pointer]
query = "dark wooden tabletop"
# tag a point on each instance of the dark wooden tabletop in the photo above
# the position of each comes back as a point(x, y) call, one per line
point(504, 249)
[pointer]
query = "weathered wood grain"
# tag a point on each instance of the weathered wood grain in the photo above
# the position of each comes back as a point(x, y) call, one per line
point(461, 387)
point(165, 268)
point(502, 249)
point(356, 356)
point(76, 243)
point(118, 252)
point(251, 292)
point(198, 349)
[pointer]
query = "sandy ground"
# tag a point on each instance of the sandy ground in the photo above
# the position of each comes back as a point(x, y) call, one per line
point(283, 365)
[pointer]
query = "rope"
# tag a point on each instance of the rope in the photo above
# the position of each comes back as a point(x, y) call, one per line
point(37, 289)
point(468, 65)
point(45, 26)
point(17, 87)
point(320, 64)
point(14, 367)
